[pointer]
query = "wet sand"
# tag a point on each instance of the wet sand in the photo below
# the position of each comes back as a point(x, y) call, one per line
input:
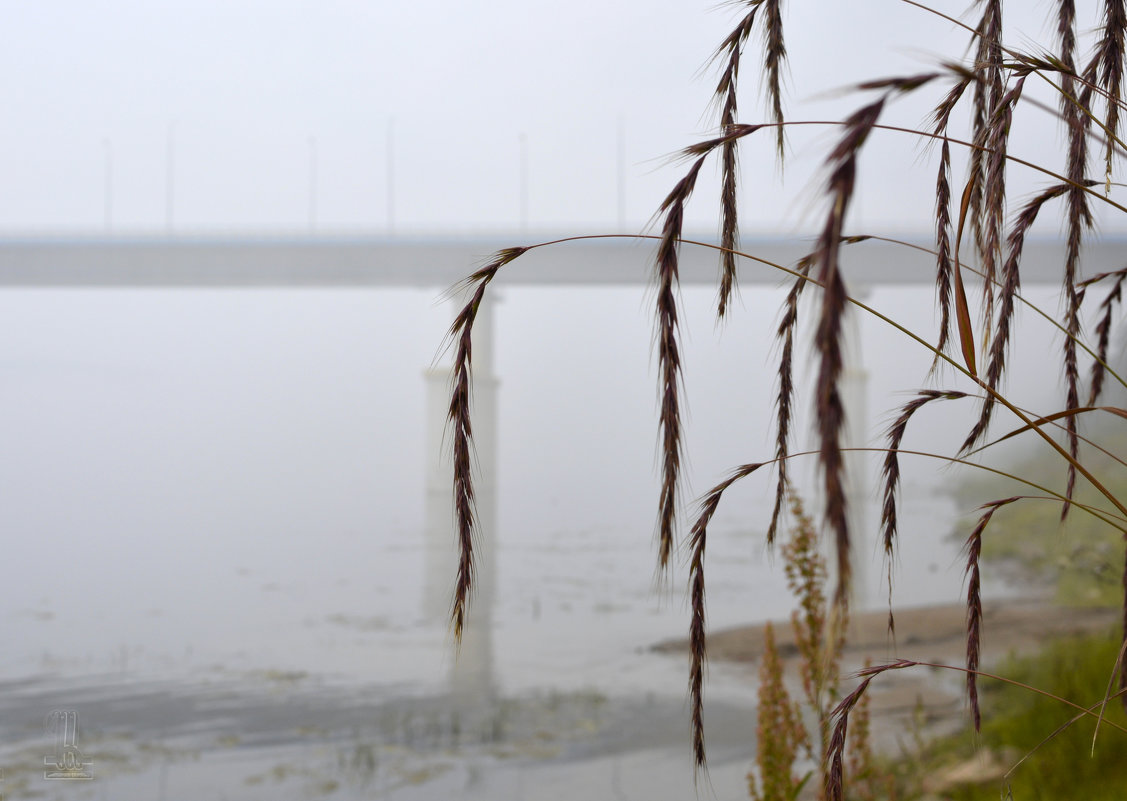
point(270, 735)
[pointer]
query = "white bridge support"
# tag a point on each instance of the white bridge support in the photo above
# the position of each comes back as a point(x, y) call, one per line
point(858, 464)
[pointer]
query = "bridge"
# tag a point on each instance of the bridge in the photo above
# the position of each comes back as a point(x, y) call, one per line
point(342, 261)
point(250, 262)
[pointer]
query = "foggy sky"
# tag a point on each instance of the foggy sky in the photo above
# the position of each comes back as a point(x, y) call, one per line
point(209, 114)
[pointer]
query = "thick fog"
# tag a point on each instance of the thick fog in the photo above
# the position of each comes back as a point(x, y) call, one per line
point(359, 116)
point(230, 483)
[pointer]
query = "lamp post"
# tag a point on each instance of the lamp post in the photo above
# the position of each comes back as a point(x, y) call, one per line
point(312, 185)
point(169, 176)
point(107, 185)
point(390, 173)
point(524, 183)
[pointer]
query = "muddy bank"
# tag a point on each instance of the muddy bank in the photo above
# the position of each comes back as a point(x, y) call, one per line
point(275, 734)
point(932, 633)
point(922, 700)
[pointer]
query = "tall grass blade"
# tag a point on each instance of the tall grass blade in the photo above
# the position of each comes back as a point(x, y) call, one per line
point(962, 308)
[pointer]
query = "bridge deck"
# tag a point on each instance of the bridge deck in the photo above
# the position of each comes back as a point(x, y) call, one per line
point(325, 261)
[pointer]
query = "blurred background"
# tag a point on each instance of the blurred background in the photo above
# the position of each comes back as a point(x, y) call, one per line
point(226, 486)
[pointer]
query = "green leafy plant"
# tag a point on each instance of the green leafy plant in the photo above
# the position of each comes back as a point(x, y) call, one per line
point(977, 232)
point(818, 633)
point(1049, 750)
point(780, 732)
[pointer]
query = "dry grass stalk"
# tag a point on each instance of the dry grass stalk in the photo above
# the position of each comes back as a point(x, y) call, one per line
point(890, 476)
point(1066, 39)
point(994, 199)
point(829, 410)
point(726, 96)
point(698, 539)
point(1010, 286)
point(867, 782)
point(981, 106)
point(459, 421)
point(835, 775)
point(941, 117)
point(669, 357)
point(974, 614)
point(775, 54)
point(988, 195)
point(941, 114)
point(1078, 219)
point(698, 651)
point(943, 271)
point(1108, 68)
point(785, 395)
point(974, 605)
point(1103, 329)
point(730, 229)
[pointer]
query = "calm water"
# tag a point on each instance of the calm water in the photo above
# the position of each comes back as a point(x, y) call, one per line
point(213, 509)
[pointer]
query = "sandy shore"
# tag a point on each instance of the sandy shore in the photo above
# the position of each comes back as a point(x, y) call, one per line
point(934, 634)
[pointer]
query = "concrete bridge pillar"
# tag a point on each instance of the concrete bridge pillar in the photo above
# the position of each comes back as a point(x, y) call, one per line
point(855, 396)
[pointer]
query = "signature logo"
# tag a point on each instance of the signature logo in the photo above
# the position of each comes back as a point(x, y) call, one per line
point(67, 762)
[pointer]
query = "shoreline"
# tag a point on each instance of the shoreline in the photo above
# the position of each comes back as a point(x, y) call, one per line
point(927, 701)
